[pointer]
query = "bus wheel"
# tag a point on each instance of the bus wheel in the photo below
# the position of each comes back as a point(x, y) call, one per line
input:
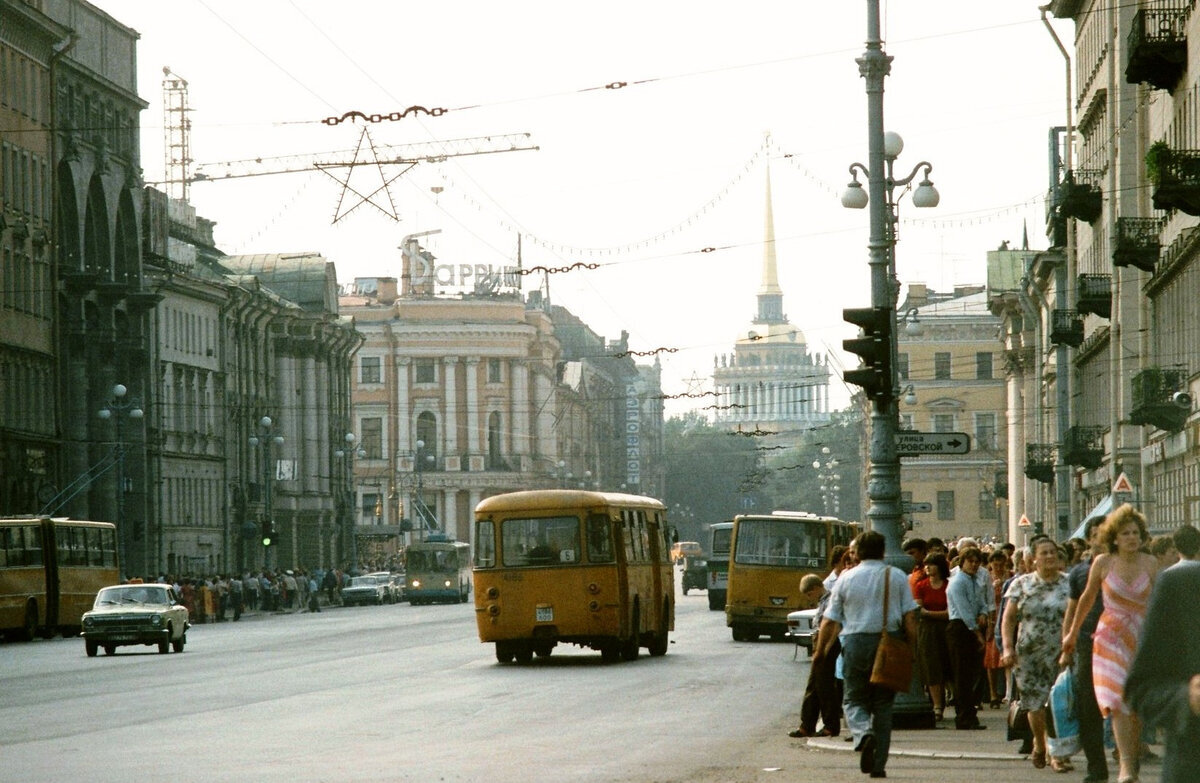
point(544, 650)
point(504, 652)
point(29, 627)
point(610, 652)
point(630, 647)
point(658, 645)
point(92, 647)
point(740, 634)
point(715, 602)
point(524, 653)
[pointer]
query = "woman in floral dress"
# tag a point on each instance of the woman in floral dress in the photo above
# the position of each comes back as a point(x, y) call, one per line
point(1032, 633)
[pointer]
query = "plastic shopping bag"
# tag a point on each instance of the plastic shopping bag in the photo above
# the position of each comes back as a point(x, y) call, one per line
point(1065, 741)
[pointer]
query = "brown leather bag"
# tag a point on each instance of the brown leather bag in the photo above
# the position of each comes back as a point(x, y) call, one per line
point(893, 667)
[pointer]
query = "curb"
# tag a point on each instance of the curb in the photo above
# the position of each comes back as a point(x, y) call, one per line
point(840, 746)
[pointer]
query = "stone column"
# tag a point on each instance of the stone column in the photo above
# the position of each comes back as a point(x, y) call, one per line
point(521, 407)
point(473, 414)
point(401, 407)
point(450, 387)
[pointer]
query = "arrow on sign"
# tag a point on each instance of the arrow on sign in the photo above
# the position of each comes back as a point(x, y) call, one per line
point(916, 508)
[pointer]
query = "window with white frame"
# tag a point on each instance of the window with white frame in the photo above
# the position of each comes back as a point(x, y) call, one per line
point(370, 370)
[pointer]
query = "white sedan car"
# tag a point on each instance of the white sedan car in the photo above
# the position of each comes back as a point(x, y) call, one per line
point(800, 628)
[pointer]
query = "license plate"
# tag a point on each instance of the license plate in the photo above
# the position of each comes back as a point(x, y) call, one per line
point(121, 638)
point(544, 614)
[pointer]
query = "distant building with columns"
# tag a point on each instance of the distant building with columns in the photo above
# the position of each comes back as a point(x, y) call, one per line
point(461, 395)
point(771, 382)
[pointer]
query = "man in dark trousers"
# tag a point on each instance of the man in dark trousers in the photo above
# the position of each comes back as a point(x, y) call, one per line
point(1164, 681)
point(1091, 723)
point(968, 614)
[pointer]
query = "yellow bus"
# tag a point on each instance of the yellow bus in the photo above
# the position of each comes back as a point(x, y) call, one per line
point(586, 568)
point(50, 572)
point(437, 569)
point(769, 555)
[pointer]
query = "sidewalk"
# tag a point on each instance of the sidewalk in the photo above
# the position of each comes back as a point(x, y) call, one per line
point(947, 743)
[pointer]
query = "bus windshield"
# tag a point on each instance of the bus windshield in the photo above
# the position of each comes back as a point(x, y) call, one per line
point(540, 541)
point(791, 543)
point(432, 560)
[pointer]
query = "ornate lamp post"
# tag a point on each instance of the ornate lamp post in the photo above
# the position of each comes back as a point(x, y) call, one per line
point(830, 487)
point(883, 484)
point(347, 455)
point(118, 409)
point(270, 536)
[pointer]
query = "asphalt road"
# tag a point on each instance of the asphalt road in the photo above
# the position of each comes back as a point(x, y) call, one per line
point(401, 693)
point(387, 693)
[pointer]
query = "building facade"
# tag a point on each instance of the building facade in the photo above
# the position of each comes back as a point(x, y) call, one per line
point(457, 398)
point(951, 381)
point(1102, 345)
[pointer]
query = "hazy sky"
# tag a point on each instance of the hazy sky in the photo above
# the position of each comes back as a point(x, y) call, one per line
point(639, 179)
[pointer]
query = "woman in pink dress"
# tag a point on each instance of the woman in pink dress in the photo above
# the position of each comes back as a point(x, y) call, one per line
point(1125, 576)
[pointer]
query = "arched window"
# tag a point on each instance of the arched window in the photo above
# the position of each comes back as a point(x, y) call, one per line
point(495, 460)
point(427, 433)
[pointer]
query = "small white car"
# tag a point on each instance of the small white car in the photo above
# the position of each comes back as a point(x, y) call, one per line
point(800, 628)
point(146, 614)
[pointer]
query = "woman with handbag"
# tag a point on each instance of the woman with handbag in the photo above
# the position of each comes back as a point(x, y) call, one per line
point(871, 609)
point(1032, 634)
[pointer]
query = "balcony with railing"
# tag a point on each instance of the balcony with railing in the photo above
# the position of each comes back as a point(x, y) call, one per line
point(1160, 398)
point(1175, 176)
point(1066, 328)
point(1084, 447)
point(1079, 195)
point(1094, 295)
point(1039, 462)
point(1137, 243)
point(1157, 45)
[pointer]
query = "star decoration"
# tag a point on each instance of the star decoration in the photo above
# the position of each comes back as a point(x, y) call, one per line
point(343, 208)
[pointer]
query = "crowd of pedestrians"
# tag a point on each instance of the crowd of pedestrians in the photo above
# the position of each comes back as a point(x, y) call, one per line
point(993, 626)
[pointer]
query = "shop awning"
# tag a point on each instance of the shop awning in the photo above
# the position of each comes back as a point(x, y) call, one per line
point(1102, 509)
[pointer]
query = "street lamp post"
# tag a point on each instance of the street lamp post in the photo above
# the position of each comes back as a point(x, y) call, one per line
point(419, 507)
point(269, 533)
point(117, 409)
point(347, 455)
point(830, 479)
point(883, 483)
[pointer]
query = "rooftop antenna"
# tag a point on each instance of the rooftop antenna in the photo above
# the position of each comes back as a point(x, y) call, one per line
point(177, 130)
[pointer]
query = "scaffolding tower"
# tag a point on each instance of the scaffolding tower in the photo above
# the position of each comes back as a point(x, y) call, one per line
point(177, 127)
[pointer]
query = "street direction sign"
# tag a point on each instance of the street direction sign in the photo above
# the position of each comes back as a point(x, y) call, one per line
point(916, 508)
point(921, 444)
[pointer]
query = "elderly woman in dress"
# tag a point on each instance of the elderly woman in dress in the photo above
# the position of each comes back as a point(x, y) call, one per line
point(1032, 634)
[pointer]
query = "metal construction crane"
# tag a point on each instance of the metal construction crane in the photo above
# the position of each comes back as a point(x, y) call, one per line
point(367, 153)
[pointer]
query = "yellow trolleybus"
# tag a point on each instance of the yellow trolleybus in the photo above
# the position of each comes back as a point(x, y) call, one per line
point(586, 568)
point(769, 555)
point(50, 571)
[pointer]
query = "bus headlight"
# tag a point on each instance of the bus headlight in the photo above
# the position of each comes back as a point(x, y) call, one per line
point(446, 583)
point(416, 583)
point(594, 606)
point(593, 588)
point(493, 610)
point(493, 592)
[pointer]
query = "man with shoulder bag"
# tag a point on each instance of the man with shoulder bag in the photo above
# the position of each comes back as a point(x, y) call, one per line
point(868, 602)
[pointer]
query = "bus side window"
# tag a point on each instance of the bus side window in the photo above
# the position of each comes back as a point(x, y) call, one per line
point(33, 546)
point(485, 547)
point(599, 537)
point(108, 545)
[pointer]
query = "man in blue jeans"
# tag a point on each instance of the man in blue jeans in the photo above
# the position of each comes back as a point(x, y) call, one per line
point(855, 615)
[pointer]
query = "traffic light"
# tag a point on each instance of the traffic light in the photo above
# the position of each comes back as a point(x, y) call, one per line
point(268, 532)
point(874, 347)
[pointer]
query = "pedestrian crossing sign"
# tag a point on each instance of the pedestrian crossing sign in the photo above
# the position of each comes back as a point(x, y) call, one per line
point(1025, 522)
point(1122, 484)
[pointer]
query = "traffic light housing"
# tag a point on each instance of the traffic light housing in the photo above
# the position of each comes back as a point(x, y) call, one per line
point(874, 348)
point(268, 533)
